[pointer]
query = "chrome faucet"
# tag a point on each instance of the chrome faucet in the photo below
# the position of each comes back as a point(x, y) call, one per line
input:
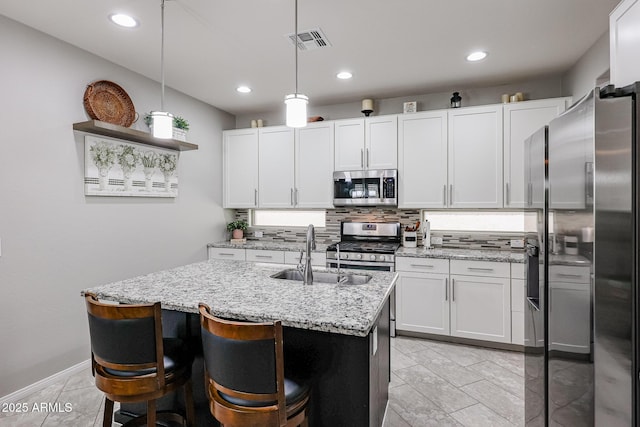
point(307, 273)
point(341, 279)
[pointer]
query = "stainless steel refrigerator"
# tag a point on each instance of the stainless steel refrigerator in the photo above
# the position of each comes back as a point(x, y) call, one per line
point(583, 264)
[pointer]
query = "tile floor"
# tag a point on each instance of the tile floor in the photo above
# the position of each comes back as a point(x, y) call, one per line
point(432, 384)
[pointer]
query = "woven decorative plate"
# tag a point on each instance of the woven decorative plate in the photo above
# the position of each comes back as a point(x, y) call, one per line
point(108, 102)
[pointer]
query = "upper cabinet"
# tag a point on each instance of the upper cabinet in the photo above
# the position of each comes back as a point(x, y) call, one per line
point(314, 166)
point(522, 119)
point(276, 185)
point(475, 157)
point(240, 168)
point(370, 143)
point(422, 160)
point(624, 22)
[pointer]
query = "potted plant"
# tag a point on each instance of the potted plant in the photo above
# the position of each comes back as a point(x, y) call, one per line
point(237, 228)
point(180, 126)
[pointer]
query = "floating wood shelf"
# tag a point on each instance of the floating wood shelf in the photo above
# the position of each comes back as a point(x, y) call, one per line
point(114, 131)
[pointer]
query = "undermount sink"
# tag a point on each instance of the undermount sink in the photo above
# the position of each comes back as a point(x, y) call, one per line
point(324, 277)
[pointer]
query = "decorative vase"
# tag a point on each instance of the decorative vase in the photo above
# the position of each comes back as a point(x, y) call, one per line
point(103, 178)
point(127, 179)
point(237, 233)
point(167, 183)
point(148, 174)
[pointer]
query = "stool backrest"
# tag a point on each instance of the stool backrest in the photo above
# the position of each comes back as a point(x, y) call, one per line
point(244, 360)
point(126, 337)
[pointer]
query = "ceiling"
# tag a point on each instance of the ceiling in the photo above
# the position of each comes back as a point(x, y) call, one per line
point(393, 48)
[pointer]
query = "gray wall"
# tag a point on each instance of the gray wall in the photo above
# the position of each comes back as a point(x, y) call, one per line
point(544, 87)
point(56, 241)
point(586, 72)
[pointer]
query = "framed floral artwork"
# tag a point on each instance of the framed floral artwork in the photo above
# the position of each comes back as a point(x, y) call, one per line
point(118, 168)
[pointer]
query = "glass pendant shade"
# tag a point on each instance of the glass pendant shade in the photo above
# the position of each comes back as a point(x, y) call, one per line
point(296, 110)
point(162, 124)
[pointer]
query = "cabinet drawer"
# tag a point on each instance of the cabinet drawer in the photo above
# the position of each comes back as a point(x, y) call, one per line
point(422, 265)
point(227, 253)
point(318, 259)
point(517, 295)
point(569, 274)
point(480, 268)
point(518, 271)
point(258, 255)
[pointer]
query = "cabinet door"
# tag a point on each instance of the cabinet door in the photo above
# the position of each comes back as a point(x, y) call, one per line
point(227, 253)
point(349, 144)
point(422, 160)
point(422, 303)
point(314, 166)
point(481, 308)
point(240, 168)
point(381, 143)
point(475, 157)
point(276, 167)
point(521, 119)
point(624, 22)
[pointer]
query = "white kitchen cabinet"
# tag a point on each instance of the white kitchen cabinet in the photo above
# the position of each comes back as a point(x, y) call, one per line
point(276, 167)
point(422, 160)
point(314, 156)
point(236, 254)
point(370, 143)
point(240, 168)
point(381, 142)
point(349, 144)
point(475, 157)
point(481, 304)
point(318, 259)
point(518, 291)
point(570, 309)
point(422, 295)
point(521, 119)
point(624, 43)
point(265, 255)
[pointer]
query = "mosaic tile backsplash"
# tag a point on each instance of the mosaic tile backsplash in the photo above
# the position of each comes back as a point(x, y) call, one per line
point(406, 217)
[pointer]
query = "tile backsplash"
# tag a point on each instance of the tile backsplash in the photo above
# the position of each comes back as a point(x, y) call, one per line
point(407, 217)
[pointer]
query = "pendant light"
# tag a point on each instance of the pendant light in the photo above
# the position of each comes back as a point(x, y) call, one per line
point(296, 103)
point(162, 120)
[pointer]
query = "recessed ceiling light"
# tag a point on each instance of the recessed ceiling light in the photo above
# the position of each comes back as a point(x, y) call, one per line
point(344, 75)
point(476, 56)
point(123, 20)
point(243, 89)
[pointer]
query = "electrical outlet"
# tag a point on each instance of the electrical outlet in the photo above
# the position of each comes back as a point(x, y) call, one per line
point(517, 243)
point(257, 234)
point(436, 240)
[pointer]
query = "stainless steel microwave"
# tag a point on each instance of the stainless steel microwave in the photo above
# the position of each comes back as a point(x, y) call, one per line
point(365, 188)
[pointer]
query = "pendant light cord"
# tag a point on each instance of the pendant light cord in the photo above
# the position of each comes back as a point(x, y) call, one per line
point(295, 44)
point(162, 55)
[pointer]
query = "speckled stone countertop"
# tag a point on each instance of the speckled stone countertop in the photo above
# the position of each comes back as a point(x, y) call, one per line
point(465, 254)
point(267, 245)
point(244, 291)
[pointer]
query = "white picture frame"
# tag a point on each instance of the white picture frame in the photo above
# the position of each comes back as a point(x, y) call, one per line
point(410, 107)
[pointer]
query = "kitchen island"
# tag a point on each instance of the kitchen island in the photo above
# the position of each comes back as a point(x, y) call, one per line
point(337, 334)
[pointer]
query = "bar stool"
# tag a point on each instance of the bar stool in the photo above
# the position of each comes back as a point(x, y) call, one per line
point(132, 362)
point(244, 374)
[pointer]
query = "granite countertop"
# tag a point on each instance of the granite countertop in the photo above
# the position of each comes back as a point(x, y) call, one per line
point(268, 245)
point(464, 254)
point(244, 291)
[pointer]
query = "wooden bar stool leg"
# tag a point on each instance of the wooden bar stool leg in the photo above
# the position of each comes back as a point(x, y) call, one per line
point(108, 412)
point(188, 401)
point(151, 413)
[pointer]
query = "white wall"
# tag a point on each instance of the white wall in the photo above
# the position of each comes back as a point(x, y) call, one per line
point(584, 74)
point(544, 87)
point(56, 241)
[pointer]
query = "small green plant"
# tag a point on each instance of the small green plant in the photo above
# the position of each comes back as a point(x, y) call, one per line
point(178, 122)
point(237, 225)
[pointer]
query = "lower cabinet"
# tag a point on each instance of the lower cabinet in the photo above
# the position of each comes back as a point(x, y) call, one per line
point(318, 259)
point(467, 299)
point(262, 255)
point(227, 253)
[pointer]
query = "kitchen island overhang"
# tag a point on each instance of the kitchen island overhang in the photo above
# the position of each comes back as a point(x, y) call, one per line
point(338, 333)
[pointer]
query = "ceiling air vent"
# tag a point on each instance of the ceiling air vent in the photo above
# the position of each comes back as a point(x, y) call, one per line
point(310, 39)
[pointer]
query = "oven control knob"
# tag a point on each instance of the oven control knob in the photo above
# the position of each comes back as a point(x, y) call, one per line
point(345, 256)
point(358, 256)
point(381, 257)
point(373, 257)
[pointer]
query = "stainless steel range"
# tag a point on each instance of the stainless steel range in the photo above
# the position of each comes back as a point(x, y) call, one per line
point(368, 246)
point(365, 246)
